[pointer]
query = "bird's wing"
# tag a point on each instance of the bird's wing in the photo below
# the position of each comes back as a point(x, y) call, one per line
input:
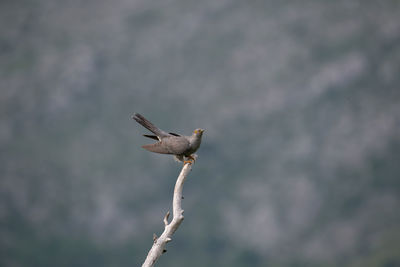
point(151, 136)
point(176, 145)
point(156, 138)
point(157, 148)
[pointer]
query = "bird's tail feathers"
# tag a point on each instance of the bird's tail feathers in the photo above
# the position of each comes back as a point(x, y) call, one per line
point(147, 124)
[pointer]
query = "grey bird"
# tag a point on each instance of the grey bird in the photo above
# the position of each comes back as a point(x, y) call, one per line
point(182, 147)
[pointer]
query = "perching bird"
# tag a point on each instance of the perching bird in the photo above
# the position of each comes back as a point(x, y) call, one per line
point(171, 143)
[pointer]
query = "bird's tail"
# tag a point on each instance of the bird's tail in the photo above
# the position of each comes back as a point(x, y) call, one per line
point(148, 125)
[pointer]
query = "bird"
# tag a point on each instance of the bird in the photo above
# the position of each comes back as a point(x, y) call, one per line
point(182, 147)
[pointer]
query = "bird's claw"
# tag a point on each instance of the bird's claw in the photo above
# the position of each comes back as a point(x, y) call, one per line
point(191, 159)
point(188, 161)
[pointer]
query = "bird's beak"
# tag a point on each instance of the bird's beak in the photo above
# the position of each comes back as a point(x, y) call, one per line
point(202, 130)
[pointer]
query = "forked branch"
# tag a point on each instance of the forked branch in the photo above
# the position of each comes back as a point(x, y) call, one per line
point(159, 243)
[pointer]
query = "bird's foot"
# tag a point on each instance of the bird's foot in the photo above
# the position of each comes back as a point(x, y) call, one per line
point(193, 157)
point(190, 161)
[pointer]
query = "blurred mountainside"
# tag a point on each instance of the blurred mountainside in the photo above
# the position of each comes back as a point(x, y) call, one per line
point(299, 164)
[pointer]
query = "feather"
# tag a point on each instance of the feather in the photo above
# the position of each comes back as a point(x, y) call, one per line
point(151, 136)
point(157, 148)
point(148, 125)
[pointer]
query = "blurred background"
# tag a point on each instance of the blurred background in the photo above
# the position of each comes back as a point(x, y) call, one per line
point(299, 164)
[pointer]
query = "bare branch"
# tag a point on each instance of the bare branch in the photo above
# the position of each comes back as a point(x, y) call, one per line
point(158, 247)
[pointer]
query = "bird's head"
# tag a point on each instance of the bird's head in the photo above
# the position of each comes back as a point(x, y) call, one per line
point(198, 132)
